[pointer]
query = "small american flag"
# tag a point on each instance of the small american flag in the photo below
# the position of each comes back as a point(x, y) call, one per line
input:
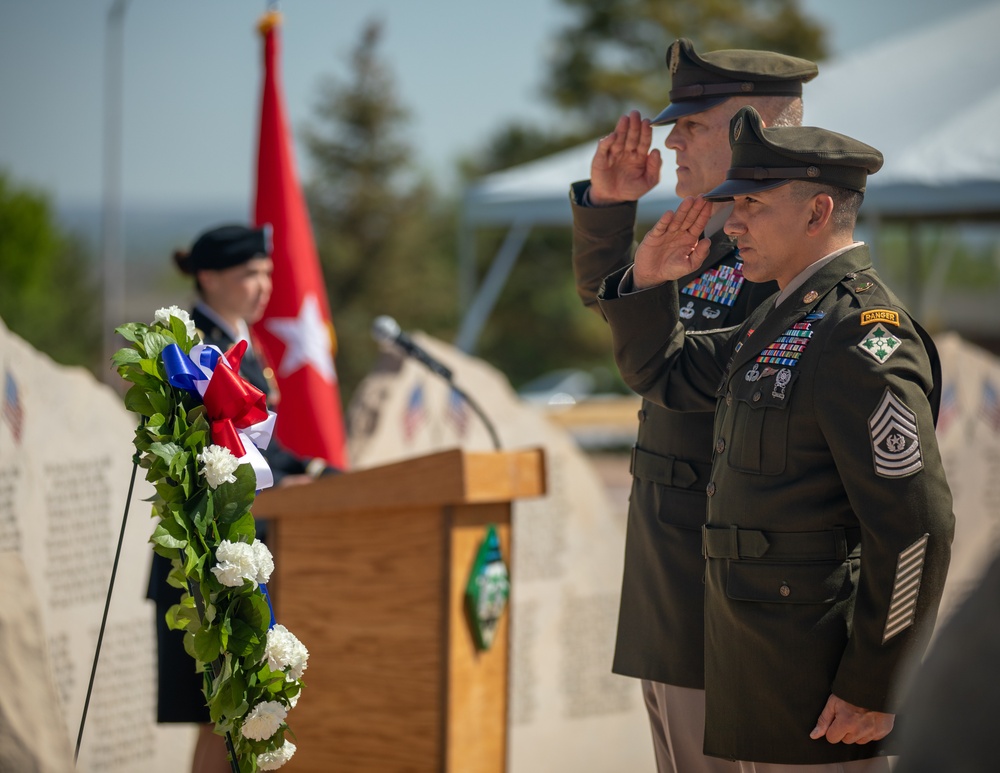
point(13, 413)
point(415, 413)
point(948, 410)
point(990, 409)
point(458, 412)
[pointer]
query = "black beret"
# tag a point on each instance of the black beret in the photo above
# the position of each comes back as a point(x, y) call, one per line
point(765, 158)
point(229, 245)
point(702, 82)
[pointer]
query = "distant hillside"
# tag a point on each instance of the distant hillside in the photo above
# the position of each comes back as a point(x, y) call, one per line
point(151, 233)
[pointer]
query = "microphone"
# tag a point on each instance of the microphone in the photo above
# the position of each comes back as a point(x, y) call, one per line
point(386, 331)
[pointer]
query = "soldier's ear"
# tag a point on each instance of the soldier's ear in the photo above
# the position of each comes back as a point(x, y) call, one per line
point(820, 213)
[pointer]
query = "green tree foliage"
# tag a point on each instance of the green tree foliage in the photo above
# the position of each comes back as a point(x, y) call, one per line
point(384, 242)
point(610, 58)
point(46, 294)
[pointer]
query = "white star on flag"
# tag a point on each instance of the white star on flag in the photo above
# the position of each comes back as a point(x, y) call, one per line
point(307, 340)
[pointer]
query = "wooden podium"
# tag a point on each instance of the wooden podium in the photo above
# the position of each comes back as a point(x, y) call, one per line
point(370, 574)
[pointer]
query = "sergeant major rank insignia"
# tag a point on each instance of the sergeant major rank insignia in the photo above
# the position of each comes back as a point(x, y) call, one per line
point(895, 439)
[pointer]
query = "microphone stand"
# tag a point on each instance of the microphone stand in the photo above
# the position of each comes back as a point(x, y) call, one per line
point(479, 412)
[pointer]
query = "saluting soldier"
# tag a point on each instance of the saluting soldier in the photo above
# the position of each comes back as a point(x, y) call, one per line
point(661, 619)
point(829, 519)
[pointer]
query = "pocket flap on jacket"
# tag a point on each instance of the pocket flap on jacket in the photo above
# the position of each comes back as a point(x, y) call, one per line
point(814, 582)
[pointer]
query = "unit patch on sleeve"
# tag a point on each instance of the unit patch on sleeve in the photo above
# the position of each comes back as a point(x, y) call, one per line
point(903, 605)
point(888, 316)
point(879, 343)
point(895, 439)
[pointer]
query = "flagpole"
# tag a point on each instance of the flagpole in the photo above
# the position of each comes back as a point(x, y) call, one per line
point(111, 226)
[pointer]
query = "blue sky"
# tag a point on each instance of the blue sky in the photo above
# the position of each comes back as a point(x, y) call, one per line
point(192, 79)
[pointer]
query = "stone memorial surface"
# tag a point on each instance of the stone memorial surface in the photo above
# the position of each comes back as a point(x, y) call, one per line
point(65, 462)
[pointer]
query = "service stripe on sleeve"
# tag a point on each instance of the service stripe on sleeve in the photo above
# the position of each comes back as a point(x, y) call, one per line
point(903, 606)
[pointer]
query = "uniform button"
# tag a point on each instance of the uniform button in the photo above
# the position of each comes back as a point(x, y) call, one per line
point(710, 489)
point(729, 398)
point(784, 590)
point(756, 397)
point(642, 415)
point(721, 445)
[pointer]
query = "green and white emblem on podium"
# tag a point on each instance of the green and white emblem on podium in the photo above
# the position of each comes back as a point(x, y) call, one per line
point(487, 590)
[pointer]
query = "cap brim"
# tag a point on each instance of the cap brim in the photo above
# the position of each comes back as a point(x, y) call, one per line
point(676, 110)
point(731, 188)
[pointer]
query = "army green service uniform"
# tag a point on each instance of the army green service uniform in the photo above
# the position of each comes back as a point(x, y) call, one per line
point(661, 616)
point(660, 636)
point(829, 517)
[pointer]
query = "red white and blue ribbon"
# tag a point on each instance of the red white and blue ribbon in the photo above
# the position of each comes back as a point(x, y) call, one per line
point(237, 410)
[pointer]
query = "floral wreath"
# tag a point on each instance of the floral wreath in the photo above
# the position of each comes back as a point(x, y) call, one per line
point(198, 440)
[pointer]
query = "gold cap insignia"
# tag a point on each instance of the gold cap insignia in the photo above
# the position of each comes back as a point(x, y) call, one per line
point(675, 57)
point(738, 128)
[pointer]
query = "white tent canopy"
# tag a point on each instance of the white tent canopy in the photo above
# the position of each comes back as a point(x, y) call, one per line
point(929, 100)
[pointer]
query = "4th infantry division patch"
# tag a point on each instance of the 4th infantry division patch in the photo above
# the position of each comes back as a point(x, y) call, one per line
point(879, 343)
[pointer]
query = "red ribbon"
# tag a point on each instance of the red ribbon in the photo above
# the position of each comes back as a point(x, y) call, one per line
point(232, 403)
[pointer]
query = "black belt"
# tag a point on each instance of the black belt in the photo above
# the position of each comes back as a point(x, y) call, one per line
point(733, 542)
point(669, 470)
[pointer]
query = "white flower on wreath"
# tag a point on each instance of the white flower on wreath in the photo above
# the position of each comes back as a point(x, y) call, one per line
point(263, 560)
point(163, 317)
point(239, 561)
point(263, 720)
point(284, 650)
point(275, 759)
point(218, 465)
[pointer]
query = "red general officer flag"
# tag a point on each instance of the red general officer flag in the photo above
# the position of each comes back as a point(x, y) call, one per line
point(295, 333)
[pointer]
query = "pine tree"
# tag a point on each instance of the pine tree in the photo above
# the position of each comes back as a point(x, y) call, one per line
point(384, 246)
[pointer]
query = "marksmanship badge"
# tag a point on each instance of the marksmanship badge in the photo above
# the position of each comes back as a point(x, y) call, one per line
point(879, 343)
point(895, 439)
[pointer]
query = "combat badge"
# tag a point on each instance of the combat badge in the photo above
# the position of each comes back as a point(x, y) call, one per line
point(895, 439)
point(879, 343)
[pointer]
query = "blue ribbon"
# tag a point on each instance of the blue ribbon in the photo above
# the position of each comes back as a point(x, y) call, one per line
point(267, 597)
point(182, 373)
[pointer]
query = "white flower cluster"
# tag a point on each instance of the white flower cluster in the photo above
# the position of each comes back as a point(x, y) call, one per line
point(238, 561)
point(163, 317)
point(218, 465)
point(275, 759)
point(285, 651)
point(263, 720)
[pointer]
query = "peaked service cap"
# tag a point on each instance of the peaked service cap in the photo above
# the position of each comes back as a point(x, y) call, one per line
point(765, 158)
point(229, 245)
point(699, 83)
